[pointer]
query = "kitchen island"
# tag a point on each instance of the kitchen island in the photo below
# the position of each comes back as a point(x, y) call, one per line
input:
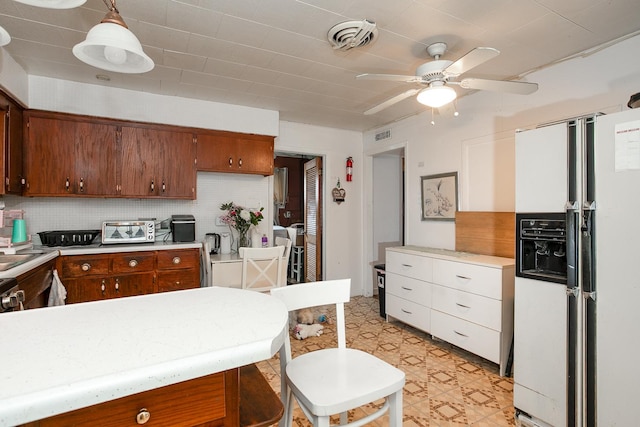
point(60, 359)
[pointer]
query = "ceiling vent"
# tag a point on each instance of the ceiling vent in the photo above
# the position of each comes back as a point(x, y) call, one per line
point(350, 34)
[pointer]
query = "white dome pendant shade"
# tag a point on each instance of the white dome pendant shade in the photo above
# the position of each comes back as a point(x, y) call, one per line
point(54, 4)
point(111, 46)
point(5, 38)
point(436, 95)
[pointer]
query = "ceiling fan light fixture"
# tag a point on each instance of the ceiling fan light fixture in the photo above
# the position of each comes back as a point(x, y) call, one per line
point(111, 46)
point(436, 95)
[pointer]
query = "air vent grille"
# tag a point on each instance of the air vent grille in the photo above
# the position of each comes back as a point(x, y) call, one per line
point(385, 134)
point(351, 34)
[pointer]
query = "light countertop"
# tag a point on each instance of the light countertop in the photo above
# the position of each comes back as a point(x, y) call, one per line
point(58, 359)
point(447, 254)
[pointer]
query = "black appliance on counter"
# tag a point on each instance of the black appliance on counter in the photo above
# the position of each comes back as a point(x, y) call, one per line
point(183, 228)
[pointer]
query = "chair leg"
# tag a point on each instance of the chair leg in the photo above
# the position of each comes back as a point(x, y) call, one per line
point(344, 418)
point(395, 409)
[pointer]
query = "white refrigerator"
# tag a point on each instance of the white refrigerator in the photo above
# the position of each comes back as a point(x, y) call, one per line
point(577, 343)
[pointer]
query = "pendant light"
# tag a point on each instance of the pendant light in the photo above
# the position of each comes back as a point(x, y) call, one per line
point(436, 95)
point(5, 38)
point(112, 47)
point(54, 4)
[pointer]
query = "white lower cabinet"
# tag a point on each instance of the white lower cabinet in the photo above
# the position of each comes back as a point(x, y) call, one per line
point(464, 299)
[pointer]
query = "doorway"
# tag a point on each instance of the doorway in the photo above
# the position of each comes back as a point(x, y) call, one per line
point(291, 211)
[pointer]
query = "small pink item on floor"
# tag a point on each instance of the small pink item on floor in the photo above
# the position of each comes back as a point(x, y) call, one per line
point(304, 331)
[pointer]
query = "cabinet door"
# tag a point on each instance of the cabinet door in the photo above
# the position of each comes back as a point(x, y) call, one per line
point(132, 284)
point(36, 285)
point(95, 159)
point(85, 289)
point(157, 163)
point(236, 153)
point(11, 145)
point(49, 151)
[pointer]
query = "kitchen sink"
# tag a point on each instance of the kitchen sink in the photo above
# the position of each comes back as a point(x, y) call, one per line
point(7, 262)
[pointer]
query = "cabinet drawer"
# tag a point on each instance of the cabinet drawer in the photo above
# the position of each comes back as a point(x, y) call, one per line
point(84, 265)
point(408, 288)
point(184, 404)
point(132, 262)
point(472, 278)
point(415, 266)
point(477, 339)
point(180, 259)
point(177, 280)
point(475, 308)
point(409, 312)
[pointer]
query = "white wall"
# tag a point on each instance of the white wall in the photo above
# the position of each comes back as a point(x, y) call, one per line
point(479, 143)
point(13, 78)
point(387, 200)
point(342, 246)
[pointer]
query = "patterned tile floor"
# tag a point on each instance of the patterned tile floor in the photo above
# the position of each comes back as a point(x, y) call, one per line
point(445, 386)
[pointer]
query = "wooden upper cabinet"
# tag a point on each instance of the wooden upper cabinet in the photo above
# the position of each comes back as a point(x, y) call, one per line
point(11, 131)
point(235, 153)
point(157, 163)
point(69, 157)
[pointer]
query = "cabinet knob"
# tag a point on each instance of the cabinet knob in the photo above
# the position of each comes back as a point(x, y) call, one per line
point(67, 184)
point(117, 285)
point(103, 286)
point(81, 185)
point(153, 186)
point(133, 263)
point(85, 267)
point(143, 416)
point(177, 260)
point(164, 187)
point(240, 162)
point(230, 161)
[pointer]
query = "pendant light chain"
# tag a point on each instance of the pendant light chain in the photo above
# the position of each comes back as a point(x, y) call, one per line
point(112, 7)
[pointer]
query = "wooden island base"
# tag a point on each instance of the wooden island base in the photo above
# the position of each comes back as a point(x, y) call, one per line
point(238, 397)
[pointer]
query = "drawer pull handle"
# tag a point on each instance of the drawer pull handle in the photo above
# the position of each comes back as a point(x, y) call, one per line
point(117, 285)
point(133, 263)
point(461, 334)
point(462, 305)
point(405, 311)
point(176, 260)
point(407, 265)
point(143, 416)
point(85, 267)
point(406, 289)
point(463, 277)
point(103, 286)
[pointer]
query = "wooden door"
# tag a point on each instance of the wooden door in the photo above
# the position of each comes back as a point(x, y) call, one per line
point(313, 220)
point(49, 150)
point(11, 129)
point(235, 153)
point(255, 155)
point(129, 285)
point(139, 162)
point(86, 289)
point(96, 159)
point(177, 169)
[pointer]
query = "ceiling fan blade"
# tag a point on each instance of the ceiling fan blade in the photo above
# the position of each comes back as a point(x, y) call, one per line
point(472, 59)
point(389, 102)
point(389, 77)
point(520, 88)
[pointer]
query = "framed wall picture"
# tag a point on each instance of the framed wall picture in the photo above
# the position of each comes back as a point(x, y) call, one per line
point(440, 196)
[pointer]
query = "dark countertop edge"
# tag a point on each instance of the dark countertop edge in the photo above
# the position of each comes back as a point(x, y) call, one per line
point(52, 253)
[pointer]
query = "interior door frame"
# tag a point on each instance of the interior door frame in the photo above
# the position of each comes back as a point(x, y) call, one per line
point(367, 241)
point(271, 210)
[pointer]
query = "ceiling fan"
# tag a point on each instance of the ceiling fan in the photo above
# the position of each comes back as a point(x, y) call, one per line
point(439, 74)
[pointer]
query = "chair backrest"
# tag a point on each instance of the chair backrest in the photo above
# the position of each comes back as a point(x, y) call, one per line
point(313, 294)
point(283, 241)
point(205, 279)
point(262, 268)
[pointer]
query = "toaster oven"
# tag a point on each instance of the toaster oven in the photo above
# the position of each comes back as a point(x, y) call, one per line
point(134, 231)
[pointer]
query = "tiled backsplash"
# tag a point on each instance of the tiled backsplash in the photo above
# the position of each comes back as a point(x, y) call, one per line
point(72, 213)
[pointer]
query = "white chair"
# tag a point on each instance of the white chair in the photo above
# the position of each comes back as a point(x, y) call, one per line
point(283, 241)
point(333, 381)
point(205, 270)
point(261, 268)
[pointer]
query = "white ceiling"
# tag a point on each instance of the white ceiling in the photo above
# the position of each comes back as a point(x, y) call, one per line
point(274, 54)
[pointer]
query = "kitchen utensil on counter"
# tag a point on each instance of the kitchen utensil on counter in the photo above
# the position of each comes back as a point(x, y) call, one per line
point(214, 242)
point(68, 238)
point(19, 231)
point(225, 243)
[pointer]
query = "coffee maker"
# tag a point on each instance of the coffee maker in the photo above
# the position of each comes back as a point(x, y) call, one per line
point(213, 239)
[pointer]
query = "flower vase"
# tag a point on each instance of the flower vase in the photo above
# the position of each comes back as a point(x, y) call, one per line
point(243, 240)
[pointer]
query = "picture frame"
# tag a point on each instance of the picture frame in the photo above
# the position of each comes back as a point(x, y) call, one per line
point(439, 196)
